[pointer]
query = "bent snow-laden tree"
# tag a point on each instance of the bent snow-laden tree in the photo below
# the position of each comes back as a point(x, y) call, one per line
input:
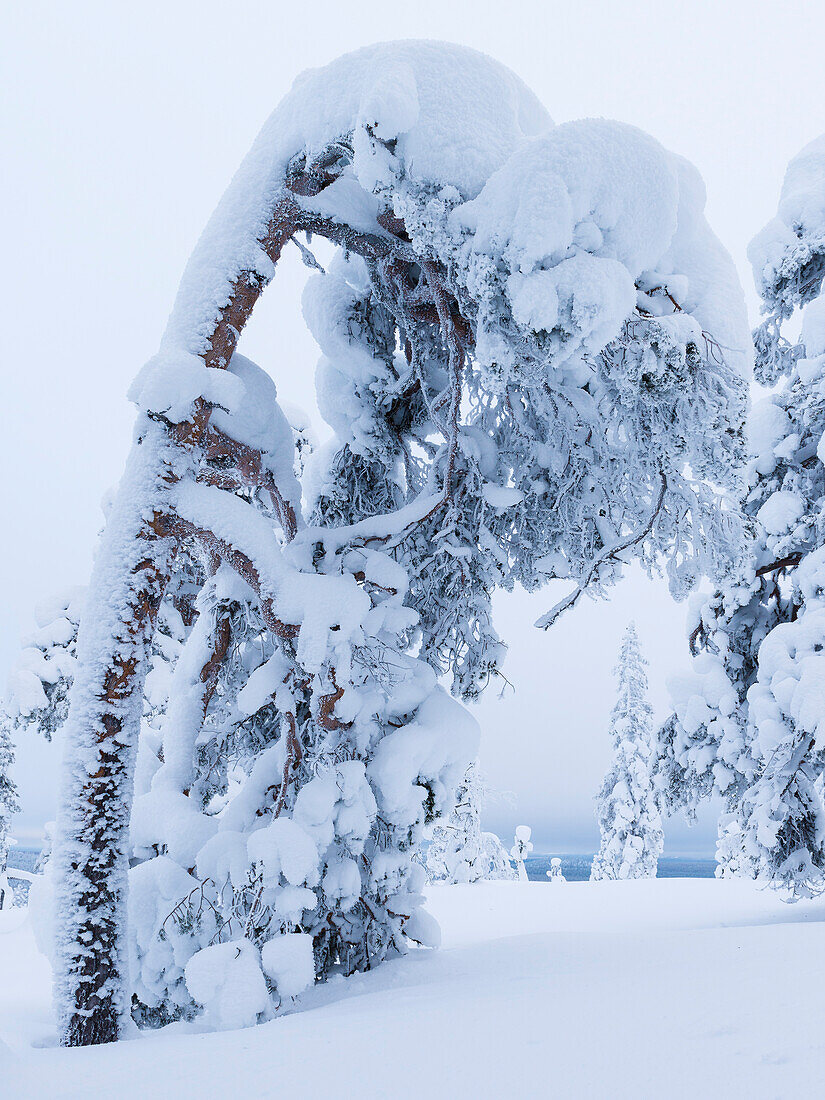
point(629, 820)
point(748, 722)
point(534, 356)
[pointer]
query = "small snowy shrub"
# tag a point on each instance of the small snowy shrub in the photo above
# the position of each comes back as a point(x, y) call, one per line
point(226, 979)
point(288, 961)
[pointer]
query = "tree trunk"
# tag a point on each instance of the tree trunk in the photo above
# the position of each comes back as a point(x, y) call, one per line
point(90, 856)
point(100, 736)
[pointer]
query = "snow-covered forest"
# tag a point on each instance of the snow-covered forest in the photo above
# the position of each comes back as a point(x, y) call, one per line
point(467, 542)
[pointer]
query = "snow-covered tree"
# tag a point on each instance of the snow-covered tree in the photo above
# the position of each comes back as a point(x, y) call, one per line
point(45, 853)
point(459, 850)
point(626, 808)
point(554, 871)
point(495, 859)
point(747, 722)
point(522, 337)
point(8, 806)
point(522, 847)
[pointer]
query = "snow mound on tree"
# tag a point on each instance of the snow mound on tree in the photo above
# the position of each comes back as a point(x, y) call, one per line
point(289, 963)
point(603, 187)
point(798, 231)
point(425, 759)
point(226, 979)
point(447, 114)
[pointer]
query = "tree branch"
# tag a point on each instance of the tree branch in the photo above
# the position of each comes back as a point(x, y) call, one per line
point(609, 553)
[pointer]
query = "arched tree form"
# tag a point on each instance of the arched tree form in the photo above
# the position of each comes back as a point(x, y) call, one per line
point(534, 353)
point(748, 718)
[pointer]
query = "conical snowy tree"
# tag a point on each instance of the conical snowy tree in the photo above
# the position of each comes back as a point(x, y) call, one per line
point(534, 361)
point(629, 820)
point(749, 719)
point(459, 850)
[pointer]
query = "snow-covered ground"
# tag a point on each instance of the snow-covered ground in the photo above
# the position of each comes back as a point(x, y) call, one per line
point(666, 988)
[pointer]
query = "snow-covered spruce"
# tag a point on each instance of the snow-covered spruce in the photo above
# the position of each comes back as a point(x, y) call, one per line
point(626, 807)
point(748, 720)
point(521, 338)
point(459, 850)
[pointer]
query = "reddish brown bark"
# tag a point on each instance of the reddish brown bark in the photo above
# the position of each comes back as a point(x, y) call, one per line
point(91, 983)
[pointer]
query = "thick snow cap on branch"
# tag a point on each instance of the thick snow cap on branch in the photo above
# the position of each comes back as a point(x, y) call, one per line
point(318, 603)
point(257, 421)
point(790, 689)
point(589, 217)
point(454, 116)
point(797, 232)
point(584, 220)
point(172, 380)
point(593, 186)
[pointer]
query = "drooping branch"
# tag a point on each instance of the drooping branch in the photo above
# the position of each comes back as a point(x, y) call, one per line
point(789, 561)
point(292, 213)
point(609, 553)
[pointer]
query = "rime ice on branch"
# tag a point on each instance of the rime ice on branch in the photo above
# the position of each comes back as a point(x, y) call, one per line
point(533, 357)
point(748, 722)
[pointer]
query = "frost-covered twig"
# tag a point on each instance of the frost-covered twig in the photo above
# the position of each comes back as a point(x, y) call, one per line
point(609, 553)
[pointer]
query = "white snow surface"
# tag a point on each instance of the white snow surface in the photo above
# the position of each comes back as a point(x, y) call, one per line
point(648, 988)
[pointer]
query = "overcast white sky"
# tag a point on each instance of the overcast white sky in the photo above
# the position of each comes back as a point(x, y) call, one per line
point(121, 126)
